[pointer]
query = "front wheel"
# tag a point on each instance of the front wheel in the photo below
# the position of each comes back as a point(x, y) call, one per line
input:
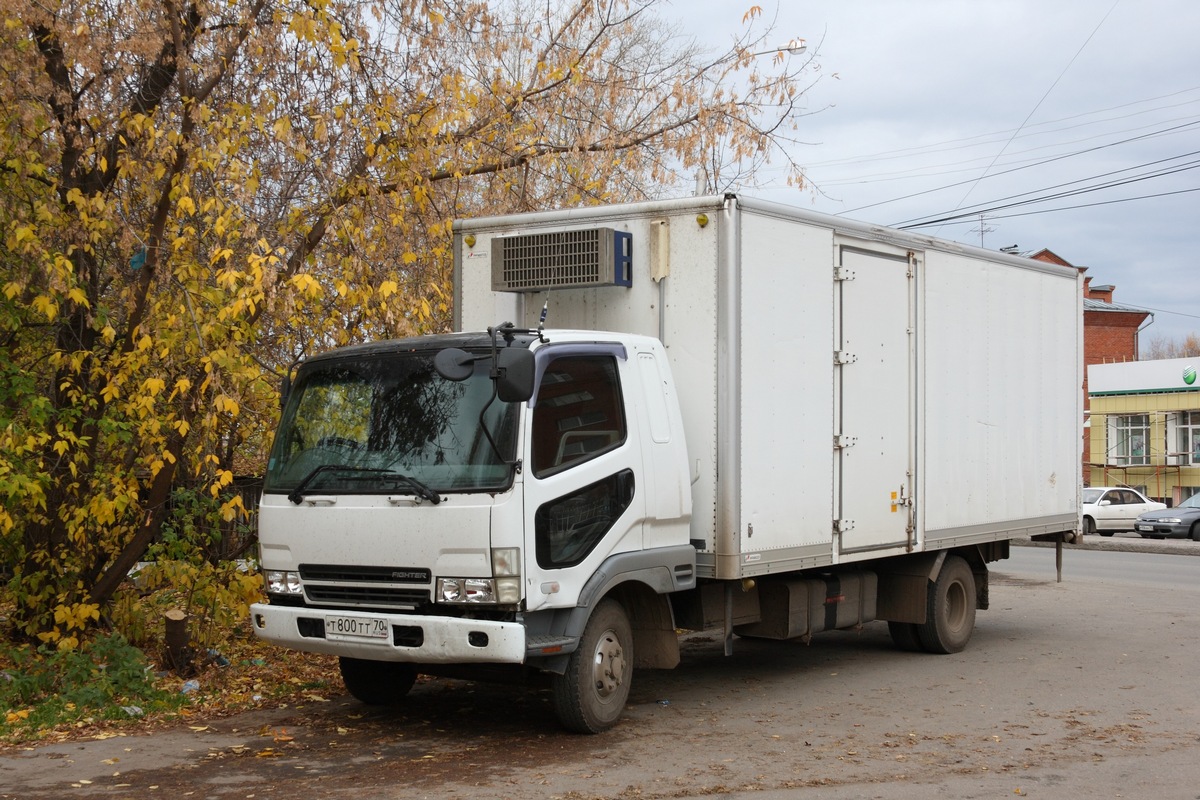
point(377, 683)
point(1195, 534)
point(950, 613)
point(1089, 525)
point(590, 695)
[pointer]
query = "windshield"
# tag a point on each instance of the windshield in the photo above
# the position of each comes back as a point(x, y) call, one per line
point(1091, 495)
point(1191, 502)
point(389, 424)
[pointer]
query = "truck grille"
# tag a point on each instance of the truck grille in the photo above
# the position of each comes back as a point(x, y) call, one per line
point(342, 585)
point(367, 596)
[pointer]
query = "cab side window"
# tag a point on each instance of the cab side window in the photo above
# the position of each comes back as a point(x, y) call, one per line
point(578, 415)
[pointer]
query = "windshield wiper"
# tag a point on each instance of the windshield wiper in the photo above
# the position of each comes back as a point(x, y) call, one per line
point(296, 496)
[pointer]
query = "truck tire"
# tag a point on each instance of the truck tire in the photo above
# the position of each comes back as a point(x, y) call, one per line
point(590, 695)
point(905, 636)
point(950, 614)
point(377, 683)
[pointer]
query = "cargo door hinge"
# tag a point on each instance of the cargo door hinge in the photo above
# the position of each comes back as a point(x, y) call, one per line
point(843, 274)
point(843, 525)
point(844, 357)
point(842, 441)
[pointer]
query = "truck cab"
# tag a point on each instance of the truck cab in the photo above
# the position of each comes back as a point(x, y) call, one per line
point(472, 499)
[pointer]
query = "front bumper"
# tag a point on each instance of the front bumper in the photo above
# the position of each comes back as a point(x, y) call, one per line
point(1168, 530)
point(414, 639)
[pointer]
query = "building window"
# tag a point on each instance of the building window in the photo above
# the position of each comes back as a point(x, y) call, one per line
point(1130, 443)
point(1187, 442)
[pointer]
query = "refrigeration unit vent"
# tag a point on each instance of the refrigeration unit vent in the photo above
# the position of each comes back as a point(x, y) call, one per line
point(561, 260)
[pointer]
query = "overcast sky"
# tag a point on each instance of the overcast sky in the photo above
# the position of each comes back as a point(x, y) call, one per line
point(925, 109)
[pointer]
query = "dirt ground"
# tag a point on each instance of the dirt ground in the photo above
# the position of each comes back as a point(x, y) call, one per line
point(1077, 689)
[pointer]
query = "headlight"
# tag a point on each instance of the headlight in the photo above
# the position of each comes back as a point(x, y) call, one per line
point(1165, 520)
point(504, 589)
point(282, 582)
point(466, 590)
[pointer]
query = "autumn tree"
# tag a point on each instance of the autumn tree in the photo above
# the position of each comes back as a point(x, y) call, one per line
point(1166, 347)
point(196, 195)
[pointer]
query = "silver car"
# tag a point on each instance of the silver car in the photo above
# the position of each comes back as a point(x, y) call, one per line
point(1109, 509)
point(1178, 522)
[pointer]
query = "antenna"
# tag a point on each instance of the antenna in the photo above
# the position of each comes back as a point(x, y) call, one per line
point(982, 230)
point(542, 320)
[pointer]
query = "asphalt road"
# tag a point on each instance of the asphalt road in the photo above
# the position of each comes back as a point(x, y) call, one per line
point(1084, 688)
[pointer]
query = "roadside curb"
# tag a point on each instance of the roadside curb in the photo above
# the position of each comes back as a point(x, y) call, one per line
point(1172, 547)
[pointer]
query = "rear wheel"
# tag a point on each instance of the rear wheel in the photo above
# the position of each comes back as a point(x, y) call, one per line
point(377, 683)
point(590, 695)
point(950, 613)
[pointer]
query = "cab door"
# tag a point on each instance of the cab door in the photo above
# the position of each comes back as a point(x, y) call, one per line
point(583, 501)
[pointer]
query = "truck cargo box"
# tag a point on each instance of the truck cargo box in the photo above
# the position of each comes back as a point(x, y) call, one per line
point(849, 391)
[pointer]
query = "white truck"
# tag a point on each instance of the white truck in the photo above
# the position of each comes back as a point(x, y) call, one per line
point(744, 417)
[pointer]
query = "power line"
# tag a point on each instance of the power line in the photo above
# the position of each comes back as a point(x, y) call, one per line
point(1034, 164)
point(962, 219)
point(1039, 103)
point(991, 205)
point(970, 141)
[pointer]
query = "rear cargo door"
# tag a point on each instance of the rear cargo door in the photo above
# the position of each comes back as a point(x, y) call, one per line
point(875, 428)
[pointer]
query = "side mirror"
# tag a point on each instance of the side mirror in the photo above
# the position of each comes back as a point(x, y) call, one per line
point(516, 368)
point(454, 364)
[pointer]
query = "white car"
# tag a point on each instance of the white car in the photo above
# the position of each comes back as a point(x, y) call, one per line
point(1109, 509)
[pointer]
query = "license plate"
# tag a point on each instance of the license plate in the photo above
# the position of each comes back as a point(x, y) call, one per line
point(1145, 527)
point(338, 627)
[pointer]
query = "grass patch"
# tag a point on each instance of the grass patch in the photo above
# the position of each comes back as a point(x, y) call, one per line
point(112, 688)
point(106, 679)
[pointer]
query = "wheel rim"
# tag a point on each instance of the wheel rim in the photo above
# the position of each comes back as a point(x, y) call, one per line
point(956, 606)
point(608, 664)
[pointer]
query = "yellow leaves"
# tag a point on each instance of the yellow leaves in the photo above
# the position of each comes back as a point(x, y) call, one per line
point(409, 258)
point(154, 386)
point(77, 296)
point(226, 405)
point(233, 509)
point(13, 717)
point(388, 288)
point(74, 617)
point(307, 285)
point(20, 235)
point(46, 307)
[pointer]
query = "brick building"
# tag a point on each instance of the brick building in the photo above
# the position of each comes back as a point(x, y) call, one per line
point(1110, 332)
